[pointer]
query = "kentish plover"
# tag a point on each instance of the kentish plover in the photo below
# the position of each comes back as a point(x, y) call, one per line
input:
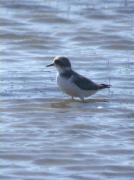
point(72, 83)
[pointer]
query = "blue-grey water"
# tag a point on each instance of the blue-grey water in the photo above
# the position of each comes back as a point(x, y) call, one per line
point(44, 135)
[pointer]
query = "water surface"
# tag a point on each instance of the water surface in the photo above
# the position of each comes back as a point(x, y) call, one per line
point(44, 134)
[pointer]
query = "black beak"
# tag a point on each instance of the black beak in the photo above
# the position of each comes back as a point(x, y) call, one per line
point(50, 65)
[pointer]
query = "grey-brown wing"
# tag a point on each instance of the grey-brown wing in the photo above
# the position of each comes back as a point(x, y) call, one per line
point(84, 83)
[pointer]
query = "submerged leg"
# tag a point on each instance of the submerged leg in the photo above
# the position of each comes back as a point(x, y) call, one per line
point(72, 98)
point(82, 99)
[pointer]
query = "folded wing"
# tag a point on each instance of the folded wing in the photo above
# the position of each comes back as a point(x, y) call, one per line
point(84, 83)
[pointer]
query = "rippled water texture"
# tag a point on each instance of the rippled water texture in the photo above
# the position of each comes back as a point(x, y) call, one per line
point(44, 134)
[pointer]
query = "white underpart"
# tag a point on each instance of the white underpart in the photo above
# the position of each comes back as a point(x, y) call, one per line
point(68, 87)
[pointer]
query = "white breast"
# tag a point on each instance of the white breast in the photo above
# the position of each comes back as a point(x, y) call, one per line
point(68, 87)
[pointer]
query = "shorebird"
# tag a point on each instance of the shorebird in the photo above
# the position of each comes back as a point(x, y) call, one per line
point(72, 83)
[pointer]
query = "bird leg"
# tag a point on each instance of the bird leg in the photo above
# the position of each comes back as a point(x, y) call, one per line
point(83, 100)
point(72, 98)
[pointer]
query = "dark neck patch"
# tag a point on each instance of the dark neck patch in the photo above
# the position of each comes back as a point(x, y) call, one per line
point(67, 74)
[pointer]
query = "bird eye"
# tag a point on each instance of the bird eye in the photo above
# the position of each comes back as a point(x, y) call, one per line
point(58, 62)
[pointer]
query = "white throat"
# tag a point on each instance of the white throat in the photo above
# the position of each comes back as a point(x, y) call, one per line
point(62, 70)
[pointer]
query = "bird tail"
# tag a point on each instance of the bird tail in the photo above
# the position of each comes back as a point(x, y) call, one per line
point(103, 86)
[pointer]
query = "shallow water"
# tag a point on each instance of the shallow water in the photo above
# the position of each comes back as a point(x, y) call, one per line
point(44, 134)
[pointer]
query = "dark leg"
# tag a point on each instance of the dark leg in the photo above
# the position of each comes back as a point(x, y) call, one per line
point(83, 100)
point(72, 98)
